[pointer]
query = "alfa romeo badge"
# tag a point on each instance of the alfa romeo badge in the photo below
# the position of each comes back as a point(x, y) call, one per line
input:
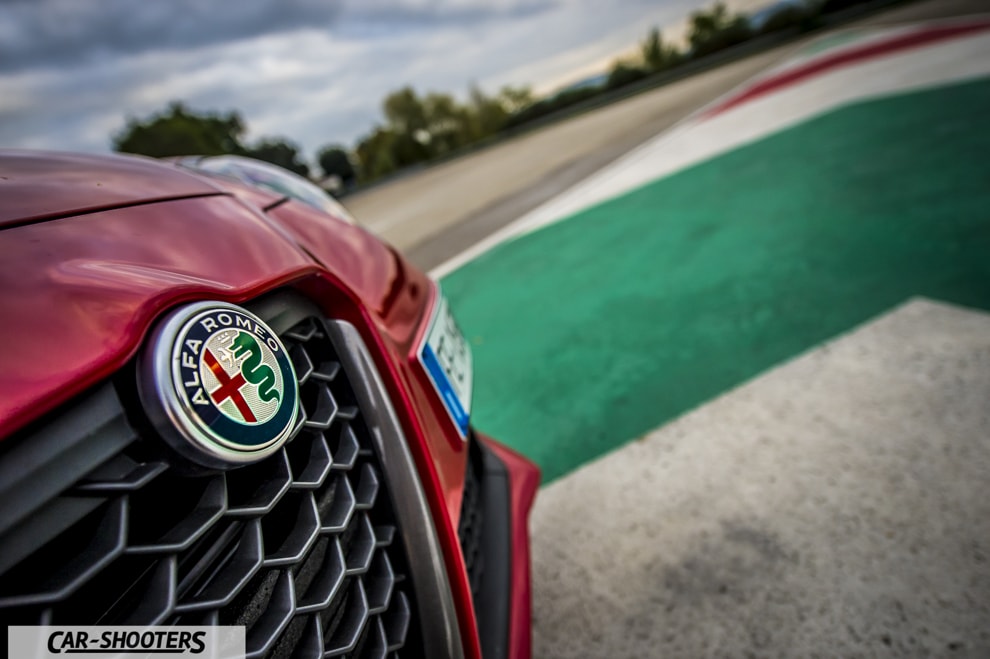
point(219, 385)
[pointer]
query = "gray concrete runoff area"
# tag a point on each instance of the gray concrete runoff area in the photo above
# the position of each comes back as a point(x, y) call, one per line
point(835, 506)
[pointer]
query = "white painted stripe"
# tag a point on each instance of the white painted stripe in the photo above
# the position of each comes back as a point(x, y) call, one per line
point(831, 503)
point(856, 37)
point(696, 140)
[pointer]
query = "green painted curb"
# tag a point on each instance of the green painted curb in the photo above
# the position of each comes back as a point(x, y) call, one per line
point(593, 331)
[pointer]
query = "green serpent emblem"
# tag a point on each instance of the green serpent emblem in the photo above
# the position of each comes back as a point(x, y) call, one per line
point(253, 370)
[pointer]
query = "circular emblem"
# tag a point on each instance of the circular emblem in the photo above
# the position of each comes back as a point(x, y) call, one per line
point(219, 384)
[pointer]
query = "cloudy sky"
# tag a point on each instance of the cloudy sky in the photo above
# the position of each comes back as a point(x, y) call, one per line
point(313, 71)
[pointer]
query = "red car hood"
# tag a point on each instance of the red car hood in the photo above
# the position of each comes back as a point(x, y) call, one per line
point(36, 186)
point(97, 247)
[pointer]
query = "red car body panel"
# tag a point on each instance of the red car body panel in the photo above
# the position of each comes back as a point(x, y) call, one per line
point(36, 186)
point(97, 248)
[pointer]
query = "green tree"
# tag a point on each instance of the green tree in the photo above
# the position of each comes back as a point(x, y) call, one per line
point(489, 113)
point(514, 99)
point(657, 56)
point(334, 161)
point(716, 29)
point(800, 16)
point(374, 153)
point(419, 128)
point(548, 106)
point(279, 152)
point(180, 132)
point(404, 111)
point(410, 149)
point(624, 73)
point(448, 124)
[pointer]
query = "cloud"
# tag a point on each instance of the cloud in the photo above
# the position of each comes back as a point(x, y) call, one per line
point(47, 33)
point(42, 33)
point(73, 71)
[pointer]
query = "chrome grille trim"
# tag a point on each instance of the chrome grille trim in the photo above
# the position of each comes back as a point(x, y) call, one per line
point(434, 598)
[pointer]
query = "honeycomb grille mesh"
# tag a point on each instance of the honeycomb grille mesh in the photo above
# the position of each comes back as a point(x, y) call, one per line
point(301, 548)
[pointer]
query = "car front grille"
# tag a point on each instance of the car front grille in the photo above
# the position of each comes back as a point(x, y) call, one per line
point(101, 525)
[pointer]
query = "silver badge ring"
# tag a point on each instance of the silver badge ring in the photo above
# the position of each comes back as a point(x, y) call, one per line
point(219, 385)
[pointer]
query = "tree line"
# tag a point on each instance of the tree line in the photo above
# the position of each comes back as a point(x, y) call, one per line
point(178, 131)
point(421, 128)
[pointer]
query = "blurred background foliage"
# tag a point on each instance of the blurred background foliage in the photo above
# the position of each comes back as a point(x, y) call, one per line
point(179, 131)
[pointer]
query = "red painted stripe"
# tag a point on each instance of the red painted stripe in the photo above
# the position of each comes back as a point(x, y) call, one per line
point(844, 58)
point(230, 387)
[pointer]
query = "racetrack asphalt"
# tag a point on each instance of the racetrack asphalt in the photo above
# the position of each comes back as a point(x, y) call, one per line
point(833, 506)
point(758, 378)
point(434, 214)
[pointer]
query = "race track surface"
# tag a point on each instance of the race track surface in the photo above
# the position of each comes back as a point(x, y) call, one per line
point(752, 357)
point(434, 214)
point(626, 313)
